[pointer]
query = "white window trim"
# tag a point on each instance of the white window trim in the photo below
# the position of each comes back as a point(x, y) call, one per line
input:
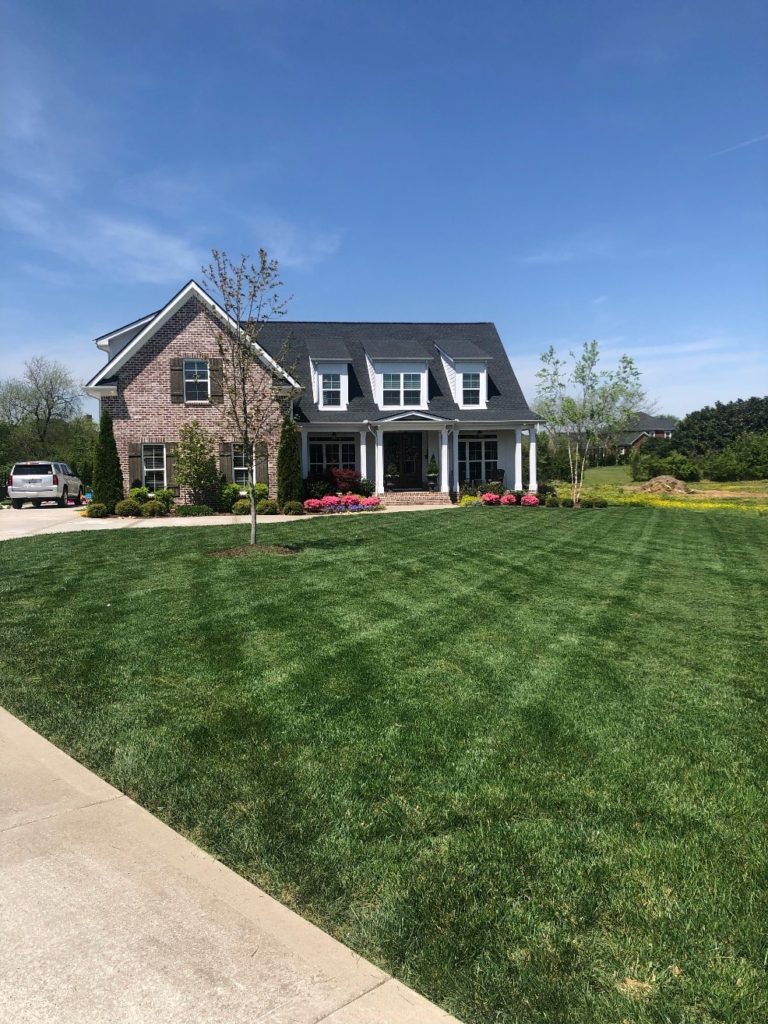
point(466, 439)
point(165, 464)
point(196, 401)
point(319, 370)
point(461, 369)
point(324, 441)
point(418, 367)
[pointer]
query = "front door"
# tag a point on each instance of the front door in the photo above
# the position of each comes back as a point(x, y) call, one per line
point(403, 453)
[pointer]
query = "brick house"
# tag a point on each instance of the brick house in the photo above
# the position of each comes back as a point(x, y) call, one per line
point(643, 427)
point(388, 400)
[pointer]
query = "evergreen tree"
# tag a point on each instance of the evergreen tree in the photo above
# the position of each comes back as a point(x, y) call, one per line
point(290, 485)
point(107, 475)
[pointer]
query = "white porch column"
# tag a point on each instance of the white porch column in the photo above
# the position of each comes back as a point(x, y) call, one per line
point(533, 484)
point(304, 453)
point(518, 484)
point(363, 453)
point(444, 479)
point(455, 475)
point(379, 481)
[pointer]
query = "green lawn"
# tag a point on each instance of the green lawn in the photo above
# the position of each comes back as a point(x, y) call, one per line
point(514, 756)
point(606, 476)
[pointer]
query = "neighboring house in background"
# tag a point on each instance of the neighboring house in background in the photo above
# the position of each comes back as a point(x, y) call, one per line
point(379, 398)
point(643, 427)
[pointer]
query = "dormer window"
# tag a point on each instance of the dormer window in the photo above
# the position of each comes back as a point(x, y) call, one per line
point(330, 384)
point(401, 389)
point(197, 380)
point(470, 389)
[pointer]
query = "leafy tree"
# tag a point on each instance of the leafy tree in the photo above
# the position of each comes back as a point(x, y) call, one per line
point(196, 463)
point(714, 428)
point(746, 458)
point(586, 406)
point(107, 475)
point(290, 485)
point(253, 384)
point(47, 392)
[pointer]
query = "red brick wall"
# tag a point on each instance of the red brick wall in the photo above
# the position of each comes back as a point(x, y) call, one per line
point(143, 412)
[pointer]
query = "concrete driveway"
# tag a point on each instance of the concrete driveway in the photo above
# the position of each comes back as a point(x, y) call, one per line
point(29, 522)
point(107, 914)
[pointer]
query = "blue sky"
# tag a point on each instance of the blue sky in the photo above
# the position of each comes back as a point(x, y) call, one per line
point(567, 170)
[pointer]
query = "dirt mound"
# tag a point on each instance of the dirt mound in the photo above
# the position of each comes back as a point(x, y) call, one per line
point(666, 485)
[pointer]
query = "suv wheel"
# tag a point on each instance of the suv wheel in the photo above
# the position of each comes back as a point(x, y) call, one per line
point(36, 503)
point(16, 503)
point(64, 499)
point(79, 498)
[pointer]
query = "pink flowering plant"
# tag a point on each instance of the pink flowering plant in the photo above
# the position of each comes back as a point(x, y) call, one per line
point(508, 499)
point(529, 499)
point(341, 503)
point(490, 499)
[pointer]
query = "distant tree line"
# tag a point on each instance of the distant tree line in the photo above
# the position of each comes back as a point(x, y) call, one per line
point(41, 417)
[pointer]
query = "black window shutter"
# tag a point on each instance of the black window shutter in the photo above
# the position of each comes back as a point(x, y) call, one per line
point(225, 461)
point(135, 477)
point(170, 468)
point(177, 381)
point(216, 370)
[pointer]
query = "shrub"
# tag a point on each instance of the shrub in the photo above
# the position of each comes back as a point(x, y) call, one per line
point(139, 494)
point(746, 458)
point(366, 487)
point(585, 503)
point(552, 501)
point(266, 507)
point(344, 481)
point(242, 507)
point(97, 511)
point(153, 508)
point(530, 500)
point(289, 483)
point(469, 499)
point(229, 496)
point(316, 487)
point(107, 475)
point(313, 505)
point(260, 492)
point(468, 489)
point(566, 503)
point(599, 503)
point(508, 499)
point(369, 503)
point(194, 510)
point(166, 498)
point(196, 462)
point(493, 487)
point(293, 508)
point(127, 508)
point(490, 498)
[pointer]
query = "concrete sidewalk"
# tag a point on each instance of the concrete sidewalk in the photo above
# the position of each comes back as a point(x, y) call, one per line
point(107, 916)
point(31, 522)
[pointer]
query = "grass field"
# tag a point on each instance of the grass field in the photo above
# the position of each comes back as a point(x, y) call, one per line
point(515, 757)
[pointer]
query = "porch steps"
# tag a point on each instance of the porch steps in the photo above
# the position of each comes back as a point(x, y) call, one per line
point(392, 498)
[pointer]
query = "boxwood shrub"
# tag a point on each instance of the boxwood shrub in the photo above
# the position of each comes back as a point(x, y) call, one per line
point(266, 507)
point(153, 508)
point(97, 511)
point(242, 507)
point(293, 508)
point(127, 508)
point(139, 494)
point(194, 510)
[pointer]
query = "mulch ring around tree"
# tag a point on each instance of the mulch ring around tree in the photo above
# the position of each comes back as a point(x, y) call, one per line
point(254, 549)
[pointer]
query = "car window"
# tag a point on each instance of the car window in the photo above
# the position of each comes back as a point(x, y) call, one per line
point(32, 469)
point(67, 470)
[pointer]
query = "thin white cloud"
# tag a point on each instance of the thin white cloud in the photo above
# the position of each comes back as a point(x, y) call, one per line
point(742, 145)
point(122, 248)
point(294, 246)
point(588, 244)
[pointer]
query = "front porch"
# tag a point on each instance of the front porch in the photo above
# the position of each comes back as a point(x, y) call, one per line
point(426, 457)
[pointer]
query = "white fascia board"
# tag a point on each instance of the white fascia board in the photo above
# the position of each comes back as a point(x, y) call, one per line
point(176, 303)
point(101, 390)
point(105, 340)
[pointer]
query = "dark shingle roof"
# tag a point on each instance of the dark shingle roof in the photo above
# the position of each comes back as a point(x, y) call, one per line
point(290, 344)
point(643, 423)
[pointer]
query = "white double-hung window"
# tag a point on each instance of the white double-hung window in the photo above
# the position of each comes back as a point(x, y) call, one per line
point(197, 380)
point(153, 466)
point(401, 389)
point(331, 385)
point(470, 388)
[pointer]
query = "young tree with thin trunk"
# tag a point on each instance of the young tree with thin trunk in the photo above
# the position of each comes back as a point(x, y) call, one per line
point(584, 406)
point(253, 384)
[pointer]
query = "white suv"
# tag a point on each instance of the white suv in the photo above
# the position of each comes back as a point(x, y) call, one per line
point(43, 481)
